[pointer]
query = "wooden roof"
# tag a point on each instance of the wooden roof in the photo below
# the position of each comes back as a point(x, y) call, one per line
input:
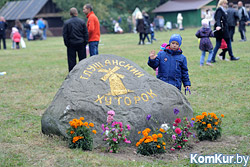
point(181, 5)
point(22, 9)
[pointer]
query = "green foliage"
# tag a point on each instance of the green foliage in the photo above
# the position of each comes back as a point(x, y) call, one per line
point(208, 126)
point(3, 2)
point(150, 148)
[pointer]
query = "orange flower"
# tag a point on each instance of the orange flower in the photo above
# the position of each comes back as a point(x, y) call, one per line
point(209, 126)
point(216, 123)
point(163, 143)
point(204, 113)
point(91, 125)
point(192, 119)
point(160, 135)
point(85, 124)
point(94, 131)
point(158, 146)
point(71, 132)
point(222, 115)
point(139, 132)
point(203, 123)
point(205, 129)
point(162, 130)
point(137, 144)
point(215, 128)
point(81, 118)
point(164, 147)
point(148, 130)
point(145, 134)
point(154, 136)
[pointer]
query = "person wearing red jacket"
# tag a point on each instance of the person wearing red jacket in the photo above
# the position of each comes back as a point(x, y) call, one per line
point(16, 37)
point(93, 26)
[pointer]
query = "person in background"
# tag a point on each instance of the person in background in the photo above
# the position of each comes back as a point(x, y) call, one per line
point(129, 22)
point(15, 36)
point(232, 20)
point(243, 18)
point(146, 26)
point(152, 32)
point(140, 28)
point(27, 29)
point(75, 36)
point(223, 46)
point(171, 63)
point(3, 27)
point(205, 43)
point(221, 30)
point(19, 26)
point(208, 16)
point(179, 21)
point(93, 26)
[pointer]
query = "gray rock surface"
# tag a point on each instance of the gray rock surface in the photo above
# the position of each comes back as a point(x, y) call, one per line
point(108, 82)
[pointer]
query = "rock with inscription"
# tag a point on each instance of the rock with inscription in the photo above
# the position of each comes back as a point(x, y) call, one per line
point(108, 82)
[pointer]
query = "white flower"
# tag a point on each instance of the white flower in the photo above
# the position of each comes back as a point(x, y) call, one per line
point(106, 132)
point(173, 127)
point(165, 127)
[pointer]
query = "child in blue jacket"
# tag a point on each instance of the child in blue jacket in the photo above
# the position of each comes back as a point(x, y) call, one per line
point(171, 63)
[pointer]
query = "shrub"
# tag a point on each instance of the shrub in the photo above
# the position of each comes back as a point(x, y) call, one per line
point(208, 126)
point(80, 134)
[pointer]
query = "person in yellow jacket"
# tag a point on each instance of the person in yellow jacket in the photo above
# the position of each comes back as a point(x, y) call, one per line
point(93, 26)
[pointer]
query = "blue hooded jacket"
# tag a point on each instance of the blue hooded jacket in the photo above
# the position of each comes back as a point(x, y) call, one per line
point(172, 67)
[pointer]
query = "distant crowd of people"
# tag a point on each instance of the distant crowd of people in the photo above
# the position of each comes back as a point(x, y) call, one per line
point(32, 30)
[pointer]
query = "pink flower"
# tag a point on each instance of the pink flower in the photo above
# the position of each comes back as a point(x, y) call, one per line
point(185, 140)
point(111, 112)
point(121, 129)
point(127, 141)
point(177, 130)
point(114, 139)
point(109, 119)
point(172, 149)
point(173, 137)
point(179, 146)
point(103, 127)
point(120, 123)
point(175, 124)
point(128, 126)
point(178, 120)
point(111, 151)
point(105, 139)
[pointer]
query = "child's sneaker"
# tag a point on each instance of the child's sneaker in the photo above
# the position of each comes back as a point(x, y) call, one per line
point(209, 64)
point(201, 65)
point(220, 57)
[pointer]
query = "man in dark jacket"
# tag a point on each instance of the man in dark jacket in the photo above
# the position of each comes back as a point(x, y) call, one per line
point(3, 27)
point(243, 18)
point(75, 36)
point(232, 20)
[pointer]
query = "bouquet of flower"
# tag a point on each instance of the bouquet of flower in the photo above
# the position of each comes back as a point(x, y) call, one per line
point(180, 131)
point(154, 144)
point(115, 133)
point(80, 134)
point(208, 126)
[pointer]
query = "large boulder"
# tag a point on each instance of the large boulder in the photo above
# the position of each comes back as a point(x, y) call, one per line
point(108, 82)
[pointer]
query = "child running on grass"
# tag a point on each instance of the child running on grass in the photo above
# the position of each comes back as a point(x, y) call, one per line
point(171, 63)
point(205, 44)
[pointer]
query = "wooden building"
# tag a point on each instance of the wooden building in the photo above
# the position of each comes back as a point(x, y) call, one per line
point(34, 9)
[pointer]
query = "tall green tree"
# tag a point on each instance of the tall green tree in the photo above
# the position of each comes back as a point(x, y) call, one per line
point(3, 2)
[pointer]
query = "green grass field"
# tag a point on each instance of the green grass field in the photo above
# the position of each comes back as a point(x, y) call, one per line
point(36, 73)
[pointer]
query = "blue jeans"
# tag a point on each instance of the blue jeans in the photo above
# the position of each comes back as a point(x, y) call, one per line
point(203, 54)
point(93, 48)
point(217, 46)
